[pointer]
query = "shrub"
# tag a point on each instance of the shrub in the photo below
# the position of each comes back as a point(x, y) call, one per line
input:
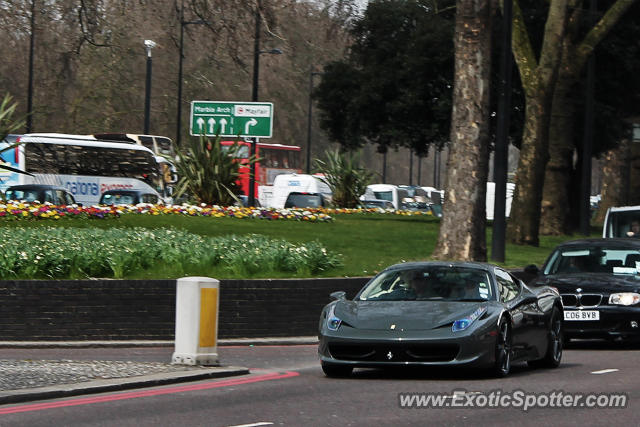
point(347, 180)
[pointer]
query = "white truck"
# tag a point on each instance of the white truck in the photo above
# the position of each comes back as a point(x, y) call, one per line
point(389, 192)
point(275, 196)
point(621, 221)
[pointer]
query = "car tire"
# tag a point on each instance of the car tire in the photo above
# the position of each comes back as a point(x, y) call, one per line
point(503, 350)
point(333, 370)
point(555, 343)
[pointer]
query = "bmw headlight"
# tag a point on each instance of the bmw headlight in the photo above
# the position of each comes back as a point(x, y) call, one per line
point(333, 322)
point(465, 322)
point(624, 298)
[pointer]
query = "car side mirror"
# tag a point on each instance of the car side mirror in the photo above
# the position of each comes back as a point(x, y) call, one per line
point(532, 269)
point(338, 295)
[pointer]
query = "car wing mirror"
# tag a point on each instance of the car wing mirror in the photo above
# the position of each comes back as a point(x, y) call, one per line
point(338, 295)
point(532, 269)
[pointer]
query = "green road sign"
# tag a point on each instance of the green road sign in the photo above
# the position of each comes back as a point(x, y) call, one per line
point(244, 119)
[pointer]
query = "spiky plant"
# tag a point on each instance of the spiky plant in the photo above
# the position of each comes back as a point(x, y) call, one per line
point(207, 171)
point(344, 175)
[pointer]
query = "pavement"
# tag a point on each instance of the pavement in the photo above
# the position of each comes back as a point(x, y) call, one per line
point(24, 380)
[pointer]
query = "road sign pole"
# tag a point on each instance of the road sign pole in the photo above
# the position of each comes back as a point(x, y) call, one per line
point(252, 176)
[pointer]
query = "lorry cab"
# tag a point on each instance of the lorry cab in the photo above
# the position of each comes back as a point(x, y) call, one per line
point(285, 184)
point(619, 221)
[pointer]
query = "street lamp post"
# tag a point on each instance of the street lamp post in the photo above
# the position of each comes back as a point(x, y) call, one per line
point(254, 97)
point(183, 23)
point(502, 145)
point(587, 147)
point(148, 44)
point(31, 49)
point(309, 120)
point(410, 166)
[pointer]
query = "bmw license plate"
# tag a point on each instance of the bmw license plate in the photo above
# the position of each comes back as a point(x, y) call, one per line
point(582, 315)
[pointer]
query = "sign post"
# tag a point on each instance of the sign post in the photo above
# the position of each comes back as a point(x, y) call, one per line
point(232, 119)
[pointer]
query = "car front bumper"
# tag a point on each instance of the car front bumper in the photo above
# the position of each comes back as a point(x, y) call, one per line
point(369, 348)
point(614, 322)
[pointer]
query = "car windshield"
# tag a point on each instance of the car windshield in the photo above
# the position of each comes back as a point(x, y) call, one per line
point(383, 195)
point(446, 283)
point(118, 199)
point(303, 201)
point(594, 260)
point(28, 195)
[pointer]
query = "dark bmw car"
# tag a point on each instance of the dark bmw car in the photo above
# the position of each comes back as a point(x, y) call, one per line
point(442, 313)
point(41, 193)
point(129, 197)
point(599, 281)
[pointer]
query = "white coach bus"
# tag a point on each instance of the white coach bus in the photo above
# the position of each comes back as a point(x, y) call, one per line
point(84, 165)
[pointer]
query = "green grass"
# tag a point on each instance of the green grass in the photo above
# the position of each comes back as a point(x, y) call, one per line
point(366, 243)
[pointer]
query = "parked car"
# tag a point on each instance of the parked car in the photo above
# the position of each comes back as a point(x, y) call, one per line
point(40, 193)
point(284, 184)
point(244, 201)
point(599, 281)
point(442, 313)
point(376, 203)
point(129, 197)
point(297, 199)
point(389, 192)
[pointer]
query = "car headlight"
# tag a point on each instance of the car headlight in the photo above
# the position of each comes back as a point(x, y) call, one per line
point(465, 322)
point(624, 298)
point(333, 322)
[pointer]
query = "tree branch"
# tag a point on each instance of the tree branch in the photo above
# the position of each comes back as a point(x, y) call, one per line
point(600, 30)
point(522, 50)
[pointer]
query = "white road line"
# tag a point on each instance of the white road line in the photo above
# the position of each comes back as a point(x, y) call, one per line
point(261, 423)
point(605, 371)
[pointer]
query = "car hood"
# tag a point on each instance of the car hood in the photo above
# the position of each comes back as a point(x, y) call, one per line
point(405, 315)
point(602, 282)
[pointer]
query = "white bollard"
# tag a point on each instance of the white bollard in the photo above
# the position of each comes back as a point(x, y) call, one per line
point(197, 303)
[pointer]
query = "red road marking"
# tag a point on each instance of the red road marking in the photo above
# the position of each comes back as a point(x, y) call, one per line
point(145, 393)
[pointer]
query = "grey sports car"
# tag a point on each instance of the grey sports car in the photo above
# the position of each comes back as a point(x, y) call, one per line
point(442, 313)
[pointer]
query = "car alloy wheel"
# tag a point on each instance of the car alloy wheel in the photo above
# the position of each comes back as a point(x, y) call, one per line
point(555, 344)
point(502, 364)
point(555, 337)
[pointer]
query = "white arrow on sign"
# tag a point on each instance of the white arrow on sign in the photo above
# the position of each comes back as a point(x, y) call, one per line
point(200, 123)
point(250, 123)
point(212, 123)
point(223, 126)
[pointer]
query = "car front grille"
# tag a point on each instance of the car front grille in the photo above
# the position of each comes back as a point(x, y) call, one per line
point(581, 300)
point(395, 352)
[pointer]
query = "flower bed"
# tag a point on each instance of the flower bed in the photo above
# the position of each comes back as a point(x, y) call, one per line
point(47, 211)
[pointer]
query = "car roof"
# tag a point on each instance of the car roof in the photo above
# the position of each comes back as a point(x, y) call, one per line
point(36, 187)
point(628, 242)
point(467, 264)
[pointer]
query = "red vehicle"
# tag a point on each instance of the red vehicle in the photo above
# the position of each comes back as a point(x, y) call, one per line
point(275, 159)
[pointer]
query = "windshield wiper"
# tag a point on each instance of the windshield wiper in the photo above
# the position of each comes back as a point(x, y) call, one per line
point(429, 298)
point(471, 299)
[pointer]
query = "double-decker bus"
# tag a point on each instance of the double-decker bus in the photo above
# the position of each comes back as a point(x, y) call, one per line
point(82, 164)
point(275, 159)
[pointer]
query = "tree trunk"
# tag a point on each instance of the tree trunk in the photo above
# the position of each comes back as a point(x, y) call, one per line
point(556, 208)
point(538, 79)
point(524, 220)
point(615, 180)
point(463, 227)
point(634, 174)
